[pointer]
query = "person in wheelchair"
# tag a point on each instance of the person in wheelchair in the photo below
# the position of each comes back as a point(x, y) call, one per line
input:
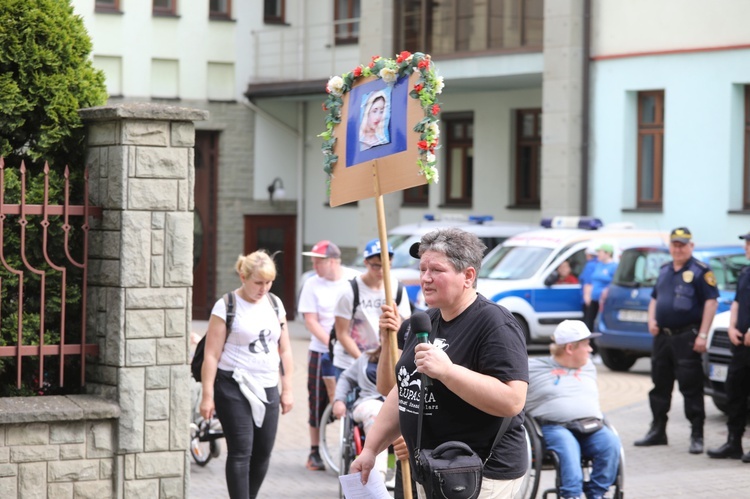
point(362, 375)
point(564, 399)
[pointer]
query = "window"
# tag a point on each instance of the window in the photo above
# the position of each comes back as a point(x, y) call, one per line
point(346, 17)
point(455, 26)
point(273, 11)
point(528, 156)
point(165, 7)
point(416, 196)
point(219, 9)
point(459, 159)
point(746, 127)
point(650, 148)
point(107, 6)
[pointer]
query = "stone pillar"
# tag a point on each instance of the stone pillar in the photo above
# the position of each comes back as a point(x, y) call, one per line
point(562, 108)
point(141, 172)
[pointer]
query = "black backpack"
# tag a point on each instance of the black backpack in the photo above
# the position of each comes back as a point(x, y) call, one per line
point(355, 303)
point(197, 363)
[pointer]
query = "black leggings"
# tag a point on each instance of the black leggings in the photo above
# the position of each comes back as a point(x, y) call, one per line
point(248, 448)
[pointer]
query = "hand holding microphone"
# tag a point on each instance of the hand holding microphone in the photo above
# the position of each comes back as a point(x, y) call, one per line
point(421, 326)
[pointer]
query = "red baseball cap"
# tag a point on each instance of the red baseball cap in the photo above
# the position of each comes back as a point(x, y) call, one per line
point(324, 249)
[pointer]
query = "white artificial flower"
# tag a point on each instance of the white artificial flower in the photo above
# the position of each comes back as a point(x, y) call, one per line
point(435, 175)
point(439, 85)
point(336, 86)
point(431, 157)
point(388, 75)
point(434, 129)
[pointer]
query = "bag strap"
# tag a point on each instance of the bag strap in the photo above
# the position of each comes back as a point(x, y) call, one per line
point(399, 293)
point(500, 432)
point(355, 291)
point(229, 303)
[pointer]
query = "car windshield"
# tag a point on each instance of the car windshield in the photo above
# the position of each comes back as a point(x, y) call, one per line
point(640, 267)
point(514, 262)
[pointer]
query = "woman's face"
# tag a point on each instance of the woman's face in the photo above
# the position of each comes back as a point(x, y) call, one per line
point(375, 114)
point(255, 287)
point(441, 284)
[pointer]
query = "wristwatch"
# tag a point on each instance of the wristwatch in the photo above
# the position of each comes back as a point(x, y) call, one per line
point(703, 336)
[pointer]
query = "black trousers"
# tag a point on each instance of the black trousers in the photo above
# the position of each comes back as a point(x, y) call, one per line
point(738, 389)
point(673, 358)
point(248, 447)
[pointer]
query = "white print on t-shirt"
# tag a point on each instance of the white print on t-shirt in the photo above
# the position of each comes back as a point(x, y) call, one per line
point(410, 387)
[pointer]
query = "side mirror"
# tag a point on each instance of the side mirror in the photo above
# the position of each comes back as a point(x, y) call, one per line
point(552, 278)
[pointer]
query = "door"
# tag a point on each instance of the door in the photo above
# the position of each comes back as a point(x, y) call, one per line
point(204, 231)
point(276, 233)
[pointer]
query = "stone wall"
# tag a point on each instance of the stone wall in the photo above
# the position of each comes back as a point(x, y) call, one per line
point(129, 436)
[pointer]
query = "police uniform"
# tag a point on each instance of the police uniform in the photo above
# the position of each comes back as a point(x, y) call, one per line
point(680, 298)
point(738, 378)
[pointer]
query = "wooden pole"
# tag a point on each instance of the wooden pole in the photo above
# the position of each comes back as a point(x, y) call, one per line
point(385, 259)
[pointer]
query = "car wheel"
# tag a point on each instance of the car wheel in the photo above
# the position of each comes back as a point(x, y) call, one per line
point(720, 403)
point(524, 327)
point(617, 360)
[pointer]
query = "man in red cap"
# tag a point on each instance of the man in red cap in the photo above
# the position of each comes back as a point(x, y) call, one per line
point(317, 301)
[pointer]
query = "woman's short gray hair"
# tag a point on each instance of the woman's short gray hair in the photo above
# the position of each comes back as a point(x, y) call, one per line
point(463, 249)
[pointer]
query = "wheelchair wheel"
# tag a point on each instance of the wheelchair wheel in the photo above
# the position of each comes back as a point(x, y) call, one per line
point(331, 437)
point(202, 452)
point(532, 479)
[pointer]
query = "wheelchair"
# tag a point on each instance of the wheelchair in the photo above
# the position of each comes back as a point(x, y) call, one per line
point(342, 440)
point(543, 459)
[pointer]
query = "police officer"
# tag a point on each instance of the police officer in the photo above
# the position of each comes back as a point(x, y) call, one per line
point(738, 375)
point(683, 304)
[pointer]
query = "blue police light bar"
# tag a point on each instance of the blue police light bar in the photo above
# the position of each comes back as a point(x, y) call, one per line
point(586, 223)
point(480, 219)
point(429, 217)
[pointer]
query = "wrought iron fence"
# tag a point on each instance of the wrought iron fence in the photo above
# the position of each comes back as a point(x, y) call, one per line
point(43, 281)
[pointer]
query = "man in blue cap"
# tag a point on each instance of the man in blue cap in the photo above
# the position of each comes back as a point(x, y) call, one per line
point(357, 328)
point(738, 375)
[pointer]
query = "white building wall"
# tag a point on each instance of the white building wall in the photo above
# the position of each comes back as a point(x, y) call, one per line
point(635, 26)
point(703, 145)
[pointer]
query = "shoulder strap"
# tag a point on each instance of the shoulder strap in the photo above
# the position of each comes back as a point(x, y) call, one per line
point(274, 302)
point(355, 290)
point(399, 293)
point(229, 302)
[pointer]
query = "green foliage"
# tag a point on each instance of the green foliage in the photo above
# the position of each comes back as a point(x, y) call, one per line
point(45, 78)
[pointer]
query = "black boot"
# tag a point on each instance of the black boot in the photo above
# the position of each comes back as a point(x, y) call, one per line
point(657, 435)
point(732, 449)
point(696, 445)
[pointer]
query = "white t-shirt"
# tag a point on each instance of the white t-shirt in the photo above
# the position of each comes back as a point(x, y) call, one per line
point(253, 343)
point(319, 296)
point(364, 327)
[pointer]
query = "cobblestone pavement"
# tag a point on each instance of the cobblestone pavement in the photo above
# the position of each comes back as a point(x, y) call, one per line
point(655, 472)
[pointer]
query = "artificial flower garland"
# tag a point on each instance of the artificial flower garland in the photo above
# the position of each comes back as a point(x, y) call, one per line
point(426, 89)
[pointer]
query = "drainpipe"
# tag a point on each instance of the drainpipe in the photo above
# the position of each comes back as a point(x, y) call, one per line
point(585, 111)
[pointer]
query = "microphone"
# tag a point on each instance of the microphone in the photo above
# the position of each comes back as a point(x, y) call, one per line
point(421, 324)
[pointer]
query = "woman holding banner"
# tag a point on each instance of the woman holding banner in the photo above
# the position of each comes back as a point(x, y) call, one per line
point(478, 364)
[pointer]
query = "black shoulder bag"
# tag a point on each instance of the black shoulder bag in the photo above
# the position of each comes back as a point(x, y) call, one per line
point(452, 470)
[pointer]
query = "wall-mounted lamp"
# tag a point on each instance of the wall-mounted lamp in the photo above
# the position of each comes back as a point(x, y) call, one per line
point(278, 190)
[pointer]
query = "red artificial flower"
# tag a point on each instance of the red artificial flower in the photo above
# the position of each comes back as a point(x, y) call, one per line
point(403, 56)
point(324, 107)
point(375, 57)
point(418, 87)
point(423, 64)
point(372, 64)
point(435, 109)
point(357, 71)
point(422, 144)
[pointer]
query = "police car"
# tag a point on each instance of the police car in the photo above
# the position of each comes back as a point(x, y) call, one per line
point(521, 274)
point(716, 361)
point(624, 315)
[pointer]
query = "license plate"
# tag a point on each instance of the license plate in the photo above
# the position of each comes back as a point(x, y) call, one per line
point(718, 372)
point(632, 316)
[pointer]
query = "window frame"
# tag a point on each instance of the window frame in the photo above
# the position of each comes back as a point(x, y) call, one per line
point(100, 6)
point(418, 196)
point(274, 19)
point(653, 129)
point(463, 144)
point(535, 143)
point(217, 14)
point(746, 159)
point(165, 11)
point(351, 38)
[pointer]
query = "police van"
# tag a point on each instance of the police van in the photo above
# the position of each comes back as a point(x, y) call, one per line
point(521, 274)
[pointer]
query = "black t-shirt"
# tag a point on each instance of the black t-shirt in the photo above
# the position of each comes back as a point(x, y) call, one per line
point(680, 295)
point(742, 297)
point(484, 338)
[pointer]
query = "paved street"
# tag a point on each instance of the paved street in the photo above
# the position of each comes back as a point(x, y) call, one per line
point(657, 472)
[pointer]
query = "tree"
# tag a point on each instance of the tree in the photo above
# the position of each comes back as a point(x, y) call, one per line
point(45, 78)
